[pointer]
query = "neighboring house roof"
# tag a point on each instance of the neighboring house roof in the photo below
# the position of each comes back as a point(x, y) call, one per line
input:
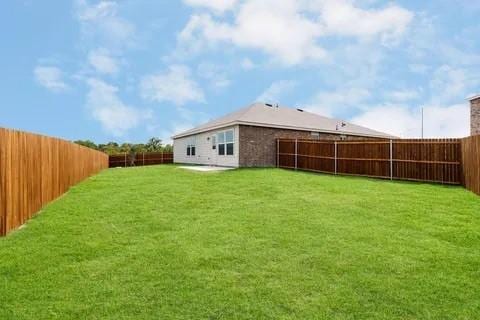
point(263, 115)
point(475, 97)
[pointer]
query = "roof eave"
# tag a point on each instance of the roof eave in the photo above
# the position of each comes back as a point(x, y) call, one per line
point(475, 97)
point(256, 124)
point(198, 131)
point(385, 136)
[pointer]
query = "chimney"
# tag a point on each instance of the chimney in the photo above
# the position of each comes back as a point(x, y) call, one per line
point(475, 115)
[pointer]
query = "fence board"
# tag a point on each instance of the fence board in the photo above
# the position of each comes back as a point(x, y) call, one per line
point(140, 159)
point(433, 160)
point(471, 163)
point(35, 170)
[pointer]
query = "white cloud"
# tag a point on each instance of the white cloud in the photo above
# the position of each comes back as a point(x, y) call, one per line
point(102, 10)
point(289, 37)
point(276, 91)
point(247, 64)
point(214, 74)
point(392, 119)
point(107, 108)
point(101, 22)
point(418, 68)
point(291, 32)
point(175, 85)
point(399, 120)
point(403, 95)
point(344, 19)
point(166, 135)
point(50, 77)
point(448, 84)
point(279, 30)
point(188, 120)
point(219, 6)
point(335, 103)
point(102, 61)
point(202, 30)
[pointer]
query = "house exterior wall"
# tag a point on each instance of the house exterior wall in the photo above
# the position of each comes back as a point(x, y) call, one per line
point(204, 154)
point(475, 116)
point(258, 144)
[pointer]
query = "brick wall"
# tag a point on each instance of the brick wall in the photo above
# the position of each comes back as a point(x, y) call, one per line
point(475, 116)
point(258, 144)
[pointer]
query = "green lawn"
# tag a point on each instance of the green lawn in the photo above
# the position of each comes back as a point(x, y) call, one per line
point(164, 243)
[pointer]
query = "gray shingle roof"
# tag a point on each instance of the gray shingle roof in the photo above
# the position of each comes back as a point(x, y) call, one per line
point(262, 115)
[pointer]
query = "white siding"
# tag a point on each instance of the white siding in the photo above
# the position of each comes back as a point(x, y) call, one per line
point(204, 154)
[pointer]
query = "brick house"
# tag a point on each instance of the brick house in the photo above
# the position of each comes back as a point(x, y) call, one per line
point(247, 137)
point(475, 115)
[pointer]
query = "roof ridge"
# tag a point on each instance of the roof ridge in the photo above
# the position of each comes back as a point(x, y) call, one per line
point(245, 110)
point(342, 121)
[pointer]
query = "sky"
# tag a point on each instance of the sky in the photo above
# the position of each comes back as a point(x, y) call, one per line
point(129, 70)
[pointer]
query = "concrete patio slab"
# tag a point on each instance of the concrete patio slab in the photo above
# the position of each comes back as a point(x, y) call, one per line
point(206, 168)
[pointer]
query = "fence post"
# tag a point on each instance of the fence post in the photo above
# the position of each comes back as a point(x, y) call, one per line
point(391, 159)
point(161, 156)
point(336, 146)
point(278, 153)
point(143, 158)
point(125, 154)
point(296, 153)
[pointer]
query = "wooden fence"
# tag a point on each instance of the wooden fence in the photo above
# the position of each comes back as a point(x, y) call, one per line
point(471, 163)
point(35, 170)
point(140, 159)
point(432, 160)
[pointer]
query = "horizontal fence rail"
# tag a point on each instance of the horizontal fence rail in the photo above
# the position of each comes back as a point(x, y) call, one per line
point(431, 160)
point(471, 163)
point(35, 170)
point(140, 159)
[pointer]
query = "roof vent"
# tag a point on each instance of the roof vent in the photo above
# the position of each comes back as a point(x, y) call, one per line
point(268, 105)
point(301, 110)
point(343, 124)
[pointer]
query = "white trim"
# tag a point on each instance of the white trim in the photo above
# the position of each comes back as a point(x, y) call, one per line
point(225, 142)
point(202, 130)
point(264, 125)
point(192, 145)
point(474, 97)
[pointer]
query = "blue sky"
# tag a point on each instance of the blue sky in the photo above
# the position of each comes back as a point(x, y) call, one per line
point(130, 69)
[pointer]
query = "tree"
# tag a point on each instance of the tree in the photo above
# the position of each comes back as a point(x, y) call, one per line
point(110, 148)
point(154, 145)
point(87, 143)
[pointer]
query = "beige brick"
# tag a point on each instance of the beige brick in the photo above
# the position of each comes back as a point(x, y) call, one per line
point(475, 117)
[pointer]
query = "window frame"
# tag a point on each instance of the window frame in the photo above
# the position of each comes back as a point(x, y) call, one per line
point(225, 143)
point(191, 147)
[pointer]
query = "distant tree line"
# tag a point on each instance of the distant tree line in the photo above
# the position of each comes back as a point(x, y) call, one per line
point(152, 145)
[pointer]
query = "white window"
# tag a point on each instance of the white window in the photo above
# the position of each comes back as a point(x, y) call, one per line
point(225, 143)
point(191, 147)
